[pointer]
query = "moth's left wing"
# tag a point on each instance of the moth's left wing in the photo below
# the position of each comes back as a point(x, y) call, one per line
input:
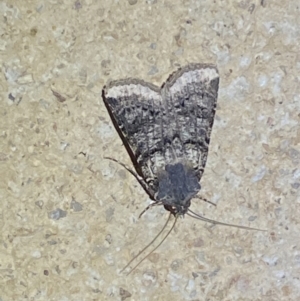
point(135, 108)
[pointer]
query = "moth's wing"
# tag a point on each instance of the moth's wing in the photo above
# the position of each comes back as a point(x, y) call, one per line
point(160, 127)
point(135, 108)
point(190, 98)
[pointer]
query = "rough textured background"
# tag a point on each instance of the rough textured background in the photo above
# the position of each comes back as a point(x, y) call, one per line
point(69, 218)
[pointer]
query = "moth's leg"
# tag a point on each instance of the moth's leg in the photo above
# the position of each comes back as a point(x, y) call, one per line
point(150, 169)
point(150, 206)
point(205, 200)
point(139, 179)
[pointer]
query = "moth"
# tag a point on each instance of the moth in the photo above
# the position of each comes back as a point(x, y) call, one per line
point(166, 132)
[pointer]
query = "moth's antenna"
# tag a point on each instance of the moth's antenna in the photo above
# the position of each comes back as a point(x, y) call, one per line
point(146, 247)
point(205, 219)
point(165, 237)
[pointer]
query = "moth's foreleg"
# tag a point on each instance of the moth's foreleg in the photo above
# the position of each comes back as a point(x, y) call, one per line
point(138, 178)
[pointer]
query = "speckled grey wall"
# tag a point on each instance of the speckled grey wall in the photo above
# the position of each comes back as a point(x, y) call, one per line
point(69, 219)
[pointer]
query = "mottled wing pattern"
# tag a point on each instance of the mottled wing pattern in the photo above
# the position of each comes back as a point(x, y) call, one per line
point(165, 125)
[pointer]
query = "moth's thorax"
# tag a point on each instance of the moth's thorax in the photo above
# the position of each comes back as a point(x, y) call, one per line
point(178, 184)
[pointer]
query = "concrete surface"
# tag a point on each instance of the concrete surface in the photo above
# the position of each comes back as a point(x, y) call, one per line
point(69, 218)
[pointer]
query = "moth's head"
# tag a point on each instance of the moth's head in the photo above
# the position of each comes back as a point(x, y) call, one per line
point(178, 184)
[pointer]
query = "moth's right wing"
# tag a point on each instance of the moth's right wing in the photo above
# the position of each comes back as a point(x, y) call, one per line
point(190, 96)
